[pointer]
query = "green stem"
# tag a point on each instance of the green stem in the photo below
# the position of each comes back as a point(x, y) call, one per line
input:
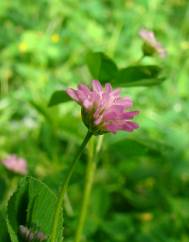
point(90, 171)
point(64, 187)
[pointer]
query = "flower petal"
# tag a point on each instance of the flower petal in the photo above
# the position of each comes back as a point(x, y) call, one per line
point(73, 94)
point(96, 86)
point(112, 128)
point(129, 115)
point(129, 126)
point(108, 87)
point(84, 88)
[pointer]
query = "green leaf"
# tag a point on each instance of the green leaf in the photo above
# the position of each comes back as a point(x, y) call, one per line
point(4, 236)
point(59, 97)
point(104, 69)
point(32, 205)
point(101, 67)
point(12, 234)
point(139, 76)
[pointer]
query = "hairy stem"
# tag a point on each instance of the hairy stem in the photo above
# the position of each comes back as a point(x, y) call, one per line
point(58, 210)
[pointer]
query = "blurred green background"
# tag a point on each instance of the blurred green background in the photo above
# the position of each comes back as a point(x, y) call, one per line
point(141, 188)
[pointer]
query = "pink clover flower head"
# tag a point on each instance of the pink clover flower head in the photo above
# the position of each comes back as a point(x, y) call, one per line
point(15, 164)
point(151, 45)
point(103, 109)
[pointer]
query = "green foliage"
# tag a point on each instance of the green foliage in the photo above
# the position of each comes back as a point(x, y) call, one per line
point(3, 227)
point(104, 69)
point(139, 76)
point(59, 97)
point(101, 67)
point(32, 206)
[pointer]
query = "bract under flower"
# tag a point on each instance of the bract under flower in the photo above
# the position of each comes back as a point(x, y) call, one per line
point(103, 109)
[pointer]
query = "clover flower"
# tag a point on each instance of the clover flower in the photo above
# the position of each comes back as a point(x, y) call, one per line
point(151, 45)
point(15, 164)
point(103, 110)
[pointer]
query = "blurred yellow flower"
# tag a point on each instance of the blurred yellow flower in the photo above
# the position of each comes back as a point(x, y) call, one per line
point(146, 217)
point(185, 45)
point(55, 38)
point(23, 47)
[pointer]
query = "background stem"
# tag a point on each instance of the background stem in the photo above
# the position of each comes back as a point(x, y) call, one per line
point(89, 178)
